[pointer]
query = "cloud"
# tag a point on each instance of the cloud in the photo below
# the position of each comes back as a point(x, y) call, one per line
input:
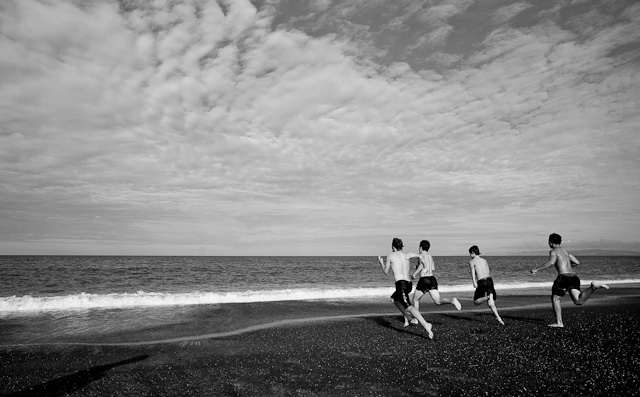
point(226, 125)
point(504, 14)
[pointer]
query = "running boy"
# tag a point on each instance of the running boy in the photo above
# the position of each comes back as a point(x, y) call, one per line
point(567, 279)
point(482, 282)
point(427, 281)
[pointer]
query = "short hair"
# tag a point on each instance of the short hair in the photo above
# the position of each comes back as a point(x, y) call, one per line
point(554, 238)
point(474, 249)
point(425, 245)
point(397, 243)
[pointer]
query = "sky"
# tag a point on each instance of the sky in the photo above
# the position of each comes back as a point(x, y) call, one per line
point(320, 127)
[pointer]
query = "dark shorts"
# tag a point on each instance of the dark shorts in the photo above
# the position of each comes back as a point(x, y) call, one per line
point(565, 283)
point(403, 289)
point(427, 283)
point(485, 287)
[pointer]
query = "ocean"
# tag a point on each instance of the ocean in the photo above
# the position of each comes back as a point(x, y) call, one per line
point(122, 299)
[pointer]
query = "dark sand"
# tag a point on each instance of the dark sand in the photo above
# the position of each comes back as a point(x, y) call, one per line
point(364, 352)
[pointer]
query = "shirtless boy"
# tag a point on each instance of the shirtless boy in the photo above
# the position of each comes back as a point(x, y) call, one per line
point(482, 282)
point(427, 281)
point(398, 261)
point(567, 279)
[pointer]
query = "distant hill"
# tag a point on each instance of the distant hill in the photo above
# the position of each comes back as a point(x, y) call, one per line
point(597, 252)
point(577, 252)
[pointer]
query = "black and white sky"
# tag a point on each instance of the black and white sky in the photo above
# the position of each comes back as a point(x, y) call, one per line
point(323, 127)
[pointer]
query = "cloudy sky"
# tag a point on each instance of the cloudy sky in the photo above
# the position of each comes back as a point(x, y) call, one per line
point(317, 127)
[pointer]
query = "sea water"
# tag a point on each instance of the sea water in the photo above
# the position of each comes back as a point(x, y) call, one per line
point(80, 298)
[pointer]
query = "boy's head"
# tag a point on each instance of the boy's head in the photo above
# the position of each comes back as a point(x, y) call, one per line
point(555, 239)
point(425, 245)
point(474, 250)
point(397, 244)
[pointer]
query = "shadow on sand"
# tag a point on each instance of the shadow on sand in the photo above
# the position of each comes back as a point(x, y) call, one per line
point(482, 317)
point(539, 321)
point(69, 383)
point(463, 317)
point(383, 322)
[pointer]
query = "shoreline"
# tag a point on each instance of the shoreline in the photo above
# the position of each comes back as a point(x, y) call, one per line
point(200, 322)
point(308, 321)
point(370, 354)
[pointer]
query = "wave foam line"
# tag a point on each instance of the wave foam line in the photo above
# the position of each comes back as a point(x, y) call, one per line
point(85, 301)
point(30, 303)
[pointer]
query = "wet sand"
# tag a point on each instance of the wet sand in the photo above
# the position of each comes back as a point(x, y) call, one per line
point(357, 349)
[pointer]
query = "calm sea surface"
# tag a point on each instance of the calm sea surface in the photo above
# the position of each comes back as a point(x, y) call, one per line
point(45, 298)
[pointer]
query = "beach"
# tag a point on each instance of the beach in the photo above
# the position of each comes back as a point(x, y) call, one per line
point(318, 348)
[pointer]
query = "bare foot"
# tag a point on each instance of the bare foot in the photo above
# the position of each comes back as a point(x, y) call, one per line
point(456, 303)
point(428, 328)
point(500, 321)
point(556, 325)
point(412, 322)
point(596, 285)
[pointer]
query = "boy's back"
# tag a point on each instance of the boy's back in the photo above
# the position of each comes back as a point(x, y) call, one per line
point(562, 260)
point(481, 267)
point(399, 264)
point(428, 265)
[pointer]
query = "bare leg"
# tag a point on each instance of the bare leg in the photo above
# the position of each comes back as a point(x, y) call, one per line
point(557, 309)
point(421, 319)
point(407, 318)
point(405, 313)
point(492, 305)
point(416, 303)
point(437, 299)
point(480, 301)
point(455, 302)
point(581, 298)
point(416, 299)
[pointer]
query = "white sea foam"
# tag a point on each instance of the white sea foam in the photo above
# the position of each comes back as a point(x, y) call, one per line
point(84, 301)
point(149, 299)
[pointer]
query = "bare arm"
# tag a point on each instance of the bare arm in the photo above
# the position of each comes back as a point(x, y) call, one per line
point(473, 275)
point(418, 270)
point(553, 257)
point(573, 260)
point(410, 255)
point(385, 264)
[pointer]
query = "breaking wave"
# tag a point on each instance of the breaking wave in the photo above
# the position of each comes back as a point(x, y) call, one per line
point(84, 301)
